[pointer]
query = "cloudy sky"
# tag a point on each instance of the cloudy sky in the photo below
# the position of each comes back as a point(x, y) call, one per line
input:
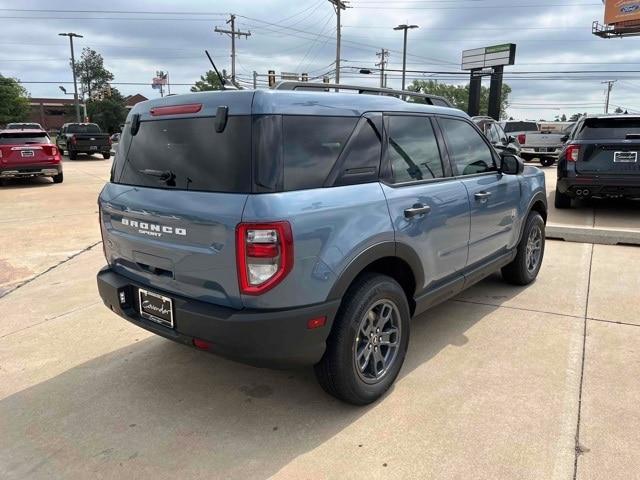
point(138, 38)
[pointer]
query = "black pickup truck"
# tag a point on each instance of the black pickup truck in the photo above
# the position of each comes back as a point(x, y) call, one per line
point(85, 138)
point(600, 160)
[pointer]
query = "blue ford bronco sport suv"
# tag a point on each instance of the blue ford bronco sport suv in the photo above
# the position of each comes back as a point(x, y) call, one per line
point(286, 228)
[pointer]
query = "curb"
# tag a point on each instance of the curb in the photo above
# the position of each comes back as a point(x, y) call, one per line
point(602, 236)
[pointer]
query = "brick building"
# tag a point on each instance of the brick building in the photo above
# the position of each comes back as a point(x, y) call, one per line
point(52, 113)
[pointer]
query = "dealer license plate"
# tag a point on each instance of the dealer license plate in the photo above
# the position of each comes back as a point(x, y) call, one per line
point(156, 307)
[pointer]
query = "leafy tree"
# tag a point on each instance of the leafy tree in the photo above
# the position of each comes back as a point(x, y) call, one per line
point(459, 94)
point(14, 101)
point(109, 112)
point(209, 81)
point(91, 73)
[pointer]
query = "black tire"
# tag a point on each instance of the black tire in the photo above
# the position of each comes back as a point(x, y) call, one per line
point(58, 178)
point(522, 270)
point(561, 200)
point(547, 161)
point(106, 156)
point(337, 372)
point(73, 155)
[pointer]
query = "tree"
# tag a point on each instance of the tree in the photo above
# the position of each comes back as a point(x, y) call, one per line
point(459, 94)
point(618, 110)
point(91, 73)
point(209, 81)
point(109, 111)
point(14, 101)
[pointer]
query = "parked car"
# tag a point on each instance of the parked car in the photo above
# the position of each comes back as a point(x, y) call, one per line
point(24, 126)
point(518, 127)
point(600, 160)
point(289, 228)
point(29, 153)
point(545, 144)
point(497, 136)
point(87, 138)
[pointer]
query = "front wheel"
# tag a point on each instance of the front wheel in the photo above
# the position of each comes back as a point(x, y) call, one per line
point(368, 343)
point(73, 155)
point(525, 267)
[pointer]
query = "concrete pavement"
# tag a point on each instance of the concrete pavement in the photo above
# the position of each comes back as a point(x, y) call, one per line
point(497, 383)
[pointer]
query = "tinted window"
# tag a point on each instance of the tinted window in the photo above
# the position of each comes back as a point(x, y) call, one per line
point(23, 138)
point(608, 128)
point(491, 133)
point(311, 147)
point(187, 154)
point(22, 126)
point(413, 149)
point(89, 128)
point(362, 160)
point(520, 127)
point(468, 152)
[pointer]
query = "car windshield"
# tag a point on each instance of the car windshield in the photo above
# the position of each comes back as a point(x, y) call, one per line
point(609, 128)
point(89, 128)
point(511, 127)
point(23, 138)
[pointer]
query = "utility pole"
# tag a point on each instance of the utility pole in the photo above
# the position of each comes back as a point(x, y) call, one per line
point(404, 51)
point(255, 80)
point(384, 55)
point(609, 88)
point(338, 5)
point(233, 33)
point(71, 35)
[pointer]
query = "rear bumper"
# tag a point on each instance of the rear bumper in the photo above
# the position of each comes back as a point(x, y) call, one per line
point(265, 338)
point(87, 149)
point(47, 170)
point(536, 152)
point(602, 187)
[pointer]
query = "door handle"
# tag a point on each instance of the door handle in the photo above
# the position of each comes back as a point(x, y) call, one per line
point(482, 195)
point(417, 209)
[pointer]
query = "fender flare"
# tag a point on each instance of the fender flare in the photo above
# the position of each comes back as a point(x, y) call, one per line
point(539, 196)
point(371, 254)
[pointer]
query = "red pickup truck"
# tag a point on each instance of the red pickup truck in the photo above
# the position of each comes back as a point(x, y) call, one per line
point(29, 153)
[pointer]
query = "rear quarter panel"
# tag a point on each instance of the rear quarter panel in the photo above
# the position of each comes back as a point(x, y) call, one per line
point(533, 189)
point(331, 226)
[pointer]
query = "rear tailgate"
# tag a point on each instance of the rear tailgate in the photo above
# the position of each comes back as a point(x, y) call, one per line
point(177, 193)
point(609, 145)
point(552, 141)
point(22, 148)
point(86, 141)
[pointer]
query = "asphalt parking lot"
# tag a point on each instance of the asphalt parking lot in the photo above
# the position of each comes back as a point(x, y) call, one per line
point(499, 383)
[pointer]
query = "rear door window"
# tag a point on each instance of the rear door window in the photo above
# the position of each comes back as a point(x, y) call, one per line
point(609, 128)
point(413, 151)
point(362, 157)
point(187, 154)
point(23, 138)
point(312, 145)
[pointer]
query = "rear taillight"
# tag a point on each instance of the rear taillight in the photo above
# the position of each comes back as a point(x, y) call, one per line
point(264, 255)
point(50, 150)
point(572, 152)
point(104, 247)
point(522, 138)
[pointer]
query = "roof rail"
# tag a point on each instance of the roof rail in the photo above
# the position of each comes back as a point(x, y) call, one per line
point(364, 90)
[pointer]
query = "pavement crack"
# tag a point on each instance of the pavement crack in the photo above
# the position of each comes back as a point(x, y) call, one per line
point(579, 449)
point(473, 302)
point(53, 267)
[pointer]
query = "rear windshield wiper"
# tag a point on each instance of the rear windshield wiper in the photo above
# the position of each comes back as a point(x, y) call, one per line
point(166, 176)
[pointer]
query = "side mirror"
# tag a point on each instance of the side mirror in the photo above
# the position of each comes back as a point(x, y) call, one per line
point(511, 165)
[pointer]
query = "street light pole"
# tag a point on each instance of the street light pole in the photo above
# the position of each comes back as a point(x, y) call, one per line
point(404, 52)
point(73, 70)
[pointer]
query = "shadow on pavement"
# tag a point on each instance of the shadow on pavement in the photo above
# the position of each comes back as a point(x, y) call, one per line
point(28, 182)
point(159, 408)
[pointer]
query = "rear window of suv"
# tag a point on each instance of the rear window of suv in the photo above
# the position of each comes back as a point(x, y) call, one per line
point(608, 128)
point(511, 127)
point(20, 138)
point(187, 154)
